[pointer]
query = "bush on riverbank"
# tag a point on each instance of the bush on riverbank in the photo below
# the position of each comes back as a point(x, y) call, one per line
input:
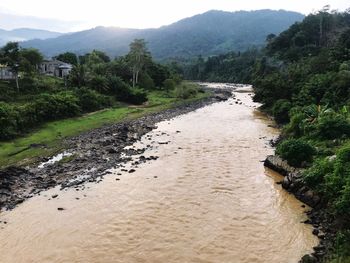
point(185, 91)
point(296, 152)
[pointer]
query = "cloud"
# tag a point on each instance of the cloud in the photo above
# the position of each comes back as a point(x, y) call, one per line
point(12, 21)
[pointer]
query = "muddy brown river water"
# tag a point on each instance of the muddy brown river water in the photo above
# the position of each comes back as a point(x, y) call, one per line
point(207, 198)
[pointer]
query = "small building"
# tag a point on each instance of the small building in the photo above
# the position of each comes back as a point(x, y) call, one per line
point(55, 68)
point(6, 73)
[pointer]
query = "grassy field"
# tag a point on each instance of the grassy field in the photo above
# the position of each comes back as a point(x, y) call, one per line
point(20, 152)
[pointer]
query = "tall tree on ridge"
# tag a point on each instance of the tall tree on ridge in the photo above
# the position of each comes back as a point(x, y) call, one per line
point(137, 58)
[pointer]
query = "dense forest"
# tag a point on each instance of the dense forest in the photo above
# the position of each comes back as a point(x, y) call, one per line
point(302, 78)
point(95, 82)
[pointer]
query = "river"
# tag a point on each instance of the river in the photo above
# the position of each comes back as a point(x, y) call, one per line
point(208, 198)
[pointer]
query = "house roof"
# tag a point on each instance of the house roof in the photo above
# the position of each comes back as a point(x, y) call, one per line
point(60, 63)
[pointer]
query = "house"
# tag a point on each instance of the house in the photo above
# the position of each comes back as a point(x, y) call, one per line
point(6, 73)
point(55, 68)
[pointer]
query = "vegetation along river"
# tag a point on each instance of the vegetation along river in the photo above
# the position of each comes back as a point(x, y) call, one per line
point(207, 198)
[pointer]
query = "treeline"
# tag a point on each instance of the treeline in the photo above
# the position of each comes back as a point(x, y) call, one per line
point(95, 82)
point(235, 67)
point(302, 78)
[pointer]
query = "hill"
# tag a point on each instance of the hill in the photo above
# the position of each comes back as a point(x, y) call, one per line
point(210, 33)
point(22, 34)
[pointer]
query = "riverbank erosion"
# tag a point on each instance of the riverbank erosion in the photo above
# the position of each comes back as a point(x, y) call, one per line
point(324, 224)
point(90, 154)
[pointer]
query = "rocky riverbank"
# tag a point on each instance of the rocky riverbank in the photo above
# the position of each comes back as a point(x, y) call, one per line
point(325, 226)
point(91, 155)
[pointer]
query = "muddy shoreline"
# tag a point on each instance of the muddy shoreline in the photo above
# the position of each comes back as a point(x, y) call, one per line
point(92, 154)
point(324, 224)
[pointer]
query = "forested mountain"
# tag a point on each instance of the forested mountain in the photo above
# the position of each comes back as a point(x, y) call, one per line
point(211, 33)
point(22, 34)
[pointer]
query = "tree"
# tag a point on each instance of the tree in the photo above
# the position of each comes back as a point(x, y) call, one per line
point(68, 57)
point(30, 59)
point(169, 84)
point(137, 57)
point(10, 56)
point(77, 77)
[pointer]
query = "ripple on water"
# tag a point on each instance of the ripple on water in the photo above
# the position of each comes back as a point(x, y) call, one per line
point(211, 202)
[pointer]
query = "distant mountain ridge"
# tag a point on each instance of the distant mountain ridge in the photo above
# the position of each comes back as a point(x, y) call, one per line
point(206, 34)
point(22, 34)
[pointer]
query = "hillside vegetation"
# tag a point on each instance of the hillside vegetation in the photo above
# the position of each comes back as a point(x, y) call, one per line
point(211, 33)
point(96, 82)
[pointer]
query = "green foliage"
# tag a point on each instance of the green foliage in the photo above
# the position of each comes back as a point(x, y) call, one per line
point(94, 83)
point(56, 106)
point(137, 96)
point(281, 110)
point(78, 76)
point(18, 119)
point(169, 84)
point(118, 88)
point(185, 91)
point(332, 126)
point(68, 57)
point(8, 116)
point(29, 60)
point(90, 100)
point(296, 151)
point(137, 58)
point(98, 83)
point(296, 125)
point(231, 67)
point(342, 247)
point(315, 88)
point(146, 82)
point(315, 175)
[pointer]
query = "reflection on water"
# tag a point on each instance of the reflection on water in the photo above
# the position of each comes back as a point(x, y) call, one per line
point(207, 198)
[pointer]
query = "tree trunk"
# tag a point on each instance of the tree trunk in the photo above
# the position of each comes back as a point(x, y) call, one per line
point(17, 84)
point(137, 76)
point(133, 78)
point(321, 30)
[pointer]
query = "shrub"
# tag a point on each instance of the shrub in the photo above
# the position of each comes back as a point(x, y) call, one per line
point(99, 83)
point(281, 111)
point(332, 126)
point(296, 124)
point(118, 88)
point(56, 106)
point(146, 82)
point(137, 96)
point(8, 124)
point(90, 100)
point(314, 176)
point(123, 92)
point(169, 84)
point(337, 184)
point(185, 91)
point(295, 151)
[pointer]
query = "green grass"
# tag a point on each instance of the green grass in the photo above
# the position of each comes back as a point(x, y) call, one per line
point(52, 134)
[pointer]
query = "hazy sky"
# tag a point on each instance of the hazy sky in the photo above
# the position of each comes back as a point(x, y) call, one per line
point(83, 14)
